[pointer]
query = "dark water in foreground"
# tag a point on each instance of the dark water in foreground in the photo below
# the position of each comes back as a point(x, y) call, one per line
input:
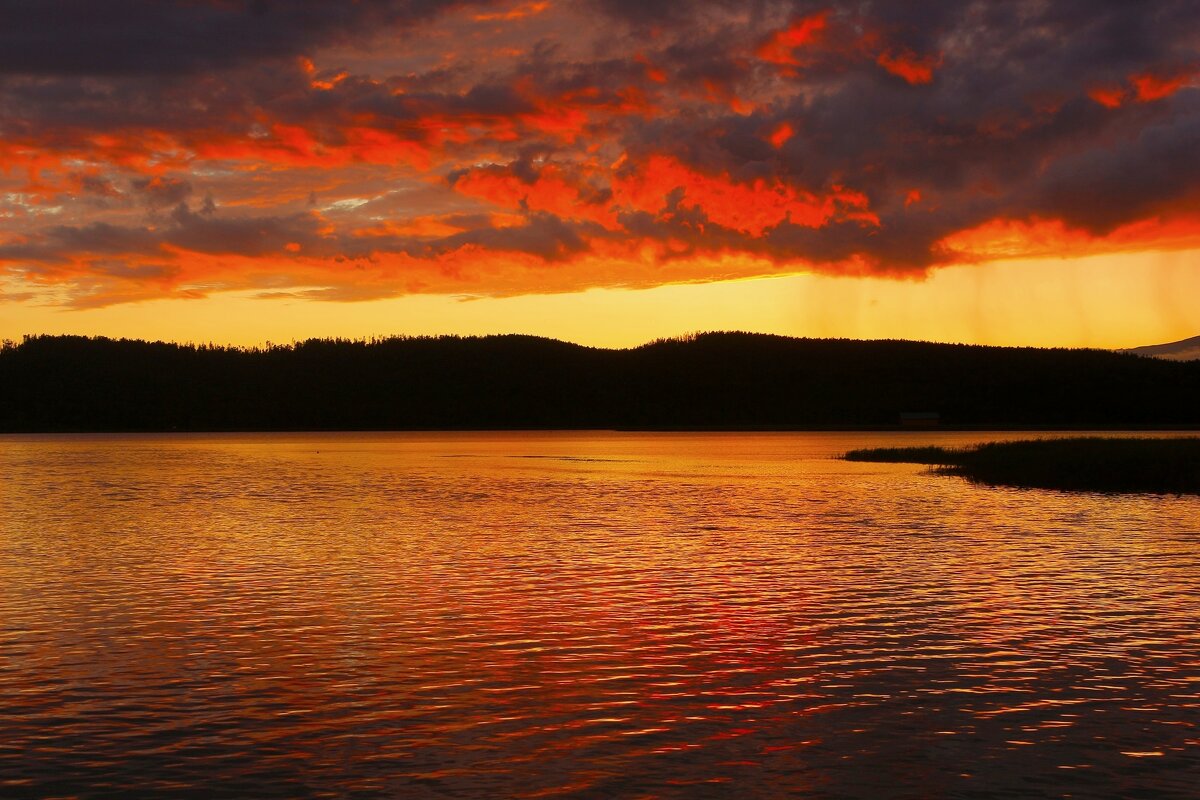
point(582, 615)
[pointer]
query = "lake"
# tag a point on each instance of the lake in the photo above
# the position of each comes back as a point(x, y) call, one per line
point(540, 615)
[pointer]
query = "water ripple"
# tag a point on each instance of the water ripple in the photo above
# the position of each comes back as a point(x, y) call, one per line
point(581, 615)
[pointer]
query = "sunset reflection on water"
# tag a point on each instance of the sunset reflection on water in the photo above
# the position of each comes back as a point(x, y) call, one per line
point(582, 614)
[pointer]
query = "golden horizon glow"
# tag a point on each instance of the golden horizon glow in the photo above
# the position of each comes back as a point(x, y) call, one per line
point(1102, 301)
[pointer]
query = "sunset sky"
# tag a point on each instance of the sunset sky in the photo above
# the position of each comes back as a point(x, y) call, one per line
point(604, 171)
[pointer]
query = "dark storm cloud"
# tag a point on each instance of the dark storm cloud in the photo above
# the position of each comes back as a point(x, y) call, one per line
point(1004, 126)
point(122, 37)
point(253, 236)
point(159, 192)
point(663, 12)
point(134, 272)
point(60, 243)
point(544, 235)
point(541, 234)
point(97, 185)
point(1102, 187)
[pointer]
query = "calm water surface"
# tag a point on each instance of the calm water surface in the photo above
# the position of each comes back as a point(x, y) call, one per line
point(582, 615)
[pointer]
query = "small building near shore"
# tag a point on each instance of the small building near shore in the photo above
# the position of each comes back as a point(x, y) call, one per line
point(920, 419)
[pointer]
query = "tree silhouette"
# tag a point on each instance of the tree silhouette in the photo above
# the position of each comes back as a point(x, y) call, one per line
point(711, 380)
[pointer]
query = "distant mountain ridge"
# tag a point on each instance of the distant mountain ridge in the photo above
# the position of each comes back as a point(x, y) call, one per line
point(1183, 350)
point(730, 381)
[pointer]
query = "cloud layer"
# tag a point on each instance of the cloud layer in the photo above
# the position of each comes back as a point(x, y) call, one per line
point(360, 150)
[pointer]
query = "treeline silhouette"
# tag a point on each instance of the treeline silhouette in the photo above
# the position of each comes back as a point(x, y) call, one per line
point(712, 380)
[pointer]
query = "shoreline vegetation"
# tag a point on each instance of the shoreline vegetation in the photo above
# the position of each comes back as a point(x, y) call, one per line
point(709, 381)
point(1080, 464)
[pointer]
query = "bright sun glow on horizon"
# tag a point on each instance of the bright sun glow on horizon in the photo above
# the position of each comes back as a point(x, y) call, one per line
point(1107, 301)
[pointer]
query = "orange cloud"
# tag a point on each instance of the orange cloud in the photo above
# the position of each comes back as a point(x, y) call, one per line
point(909, 66)
point(296, 146)
point(419, 155)
point(750, 208)
point(126, 273)
point(1148, 86)
point(1144, 87)
point(783, 131)
point(520, 12)
point(567, 115)
point(1013, 238)
point(552, 190)
point(1108, 96)
point(781, 46)
point(653, 73)
point(423, 227)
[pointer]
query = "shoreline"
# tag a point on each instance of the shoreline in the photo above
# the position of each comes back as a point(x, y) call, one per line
point(1110, 465)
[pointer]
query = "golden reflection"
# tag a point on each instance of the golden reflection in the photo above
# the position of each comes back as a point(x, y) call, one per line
point(538, 614)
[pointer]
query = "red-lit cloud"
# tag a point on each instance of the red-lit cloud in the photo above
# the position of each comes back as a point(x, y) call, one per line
point(784, 46)
point(349, 151)
point(912, 68)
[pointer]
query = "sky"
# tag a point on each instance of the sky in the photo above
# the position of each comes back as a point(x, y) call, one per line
point(603, 171)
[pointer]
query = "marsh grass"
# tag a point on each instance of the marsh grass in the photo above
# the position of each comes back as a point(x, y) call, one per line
point(1091, 464)
point(907, 455)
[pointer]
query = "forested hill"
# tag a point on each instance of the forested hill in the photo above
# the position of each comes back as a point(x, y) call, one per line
point(716, 380)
